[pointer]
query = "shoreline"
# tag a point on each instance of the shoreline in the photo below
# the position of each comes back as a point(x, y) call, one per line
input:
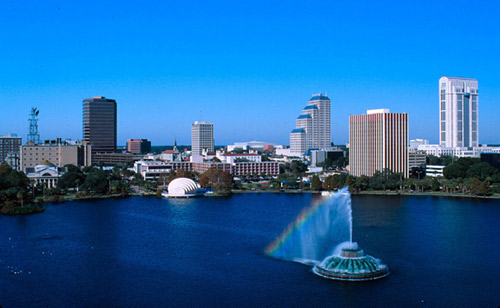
point(267, 191)
point(373, 193)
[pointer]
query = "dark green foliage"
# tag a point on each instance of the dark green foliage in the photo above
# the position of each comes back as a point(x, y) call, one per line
point(480, 188)
point(327, 164)
point(316, 183)
point(73, 178)
point(14, 191)
point(435, 184)
point(335, 181)
point(385, 179)
point(22, 210)
point(458, 169)
point(238, 151)
point(96, 181)
point(443, 160)
point(481, 171)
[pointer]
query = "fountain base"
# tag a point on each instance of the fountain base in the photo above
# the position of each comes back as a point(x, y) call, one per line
point(351, 265)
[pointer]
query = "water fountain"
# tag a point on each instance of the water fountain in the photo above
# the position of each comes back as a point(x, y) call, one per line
point(326, 224)
point(351, 264)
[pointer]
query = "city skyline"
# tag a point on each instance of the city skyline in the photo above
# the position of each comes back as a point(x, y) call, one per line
point(229, 62)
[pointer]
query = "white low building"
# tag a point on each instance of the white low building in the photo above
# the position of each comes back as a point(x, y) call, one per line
point(438, 150)
point(150, 170)
point(257, 145)
point(434, 170)
point(182, 188)
point(230, 158)
point(45, 174)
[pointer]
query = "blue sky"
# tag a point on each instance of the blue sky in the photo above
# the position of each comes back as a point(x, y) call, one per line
point(247, 66)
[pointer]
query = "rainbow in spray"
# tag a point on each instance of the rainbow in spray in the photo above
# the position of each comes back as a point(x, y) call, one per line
point(316, 231)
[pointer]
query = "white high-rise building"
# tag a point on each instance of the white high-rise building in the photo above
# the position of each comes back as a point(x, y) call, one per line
point(313, 127)
point(202, 137)
point(458, 112)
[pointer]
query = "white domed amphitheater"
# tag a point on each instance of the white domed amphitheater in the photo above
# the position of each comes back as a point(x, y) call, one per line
point(182, 188)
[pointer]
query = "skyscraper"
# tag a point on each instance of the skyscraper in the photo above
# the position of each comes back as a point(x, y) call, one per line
point(378, 140)
point(202, 137)
point(458, 112)
point(99, 124)
point(313, 127)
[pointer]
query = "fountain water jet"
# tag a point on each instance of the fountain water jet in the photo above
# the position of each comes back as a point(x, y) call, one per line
point(318, 228)
point(327, 223)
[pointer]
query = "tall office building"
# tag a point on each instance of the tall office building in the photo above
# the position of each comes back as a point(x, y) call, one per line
point(99, 124)
point(458, 108)
point(202, 137)
point(313, 127)
point(378, 140)
point(9, 143)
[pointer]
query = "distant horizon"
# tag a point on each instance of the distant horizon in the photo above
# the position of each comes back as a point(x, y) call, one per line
point(247, 67)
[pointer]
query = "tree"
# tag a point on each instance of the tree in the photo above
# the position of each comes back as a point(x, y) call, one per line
point(435, 184)
point(14, 192)
point(385, 179)
point(203, 180)
point(481, 171)
point(97, 181)
point(480, 188)
point(298, 167)
point(316, 183)
point(335, 181)
point(73, 178)
point(220, 181)
point(327, 164)
point(458, 169)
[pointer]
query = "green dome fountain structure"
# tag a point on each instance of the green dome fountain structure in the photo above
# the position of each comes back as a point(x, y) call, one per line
point(351, 264)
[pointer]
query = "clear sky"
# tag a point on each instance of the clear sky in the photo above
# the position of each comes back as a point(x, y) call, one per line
point(247, 66)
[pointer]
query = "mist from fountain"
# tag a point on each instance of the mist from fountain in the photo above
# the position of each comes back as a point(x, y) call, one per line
point(317, 229)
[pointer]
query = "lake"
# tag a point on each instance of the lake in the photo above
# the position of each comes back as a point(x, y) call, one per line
point(208, 252)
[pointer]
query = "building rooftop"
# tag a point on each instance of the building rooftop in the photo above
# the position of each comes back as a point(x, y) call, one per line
point(9, 136)
point(304, 116)
point(461, 78)
point(201, 122)
point(298, 130)
point(310, 107)
point(374, 111)
point(317, 97)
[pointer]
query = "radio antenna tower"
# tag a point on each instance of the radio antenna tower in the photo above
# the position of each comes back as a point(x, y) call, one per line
point(33, 135)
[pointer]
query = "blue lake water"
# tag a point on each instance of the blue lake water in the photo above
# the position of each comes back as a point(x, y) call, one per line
point(208, 252)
